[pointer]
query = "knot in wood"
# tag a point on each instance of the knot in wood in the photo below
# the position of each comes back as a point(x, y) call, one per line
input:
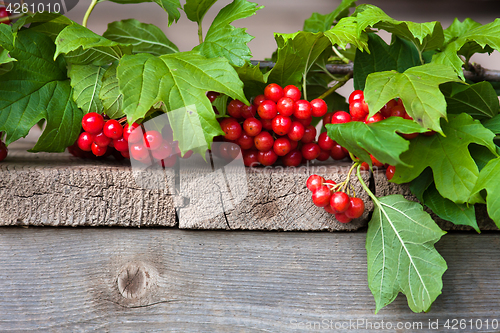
point(133, 280)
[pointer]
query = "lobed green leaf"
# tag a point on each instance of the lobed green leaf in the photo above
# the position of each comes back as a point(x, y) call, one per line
point(459, 214)
point(425, 36)
point(180, 81)
point(455, 171)
point(224, 40)
point(44, 93)
point(379, 139)
point(345, 32)
point(401, 255)
point(50, 24)
point(482, 35)
point(418, 87)
point(196, 9)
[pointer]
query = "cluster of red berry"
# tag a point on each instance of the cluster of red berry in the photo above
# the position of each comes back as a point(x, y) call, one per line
point(101, 137)
point(328, 194)
point(276, 124)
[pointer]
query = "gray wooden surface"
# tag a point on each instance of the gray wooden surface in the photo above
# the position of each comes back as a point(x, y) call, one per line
point(170, 280)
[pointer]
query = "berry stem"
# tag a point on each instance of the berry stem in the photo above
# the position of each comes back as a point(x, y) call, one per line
point(88, 12)
point(340, 55)
point(336, 86)
point(365, 187)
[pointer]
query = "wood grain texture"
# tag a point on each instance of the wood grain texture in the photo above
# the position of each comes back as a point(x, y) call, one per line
point(61, 190)
point(265, 198)
point(66, 280)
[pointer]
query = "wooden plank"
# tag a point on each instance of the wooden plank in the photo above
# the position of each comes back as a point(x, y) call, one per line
point(60, 190)
point(265, 198)
point(70, 280)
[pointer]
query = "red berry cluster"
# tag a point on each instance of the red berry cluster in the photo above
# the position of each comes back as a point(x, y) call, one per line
point(3, 149)
point(277, 124)
point(101, 137)
point(327, 194)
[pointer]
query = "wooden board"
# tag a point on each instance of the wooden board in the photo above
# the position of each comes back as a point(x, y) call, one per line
point(60, 190)
point(170, 280)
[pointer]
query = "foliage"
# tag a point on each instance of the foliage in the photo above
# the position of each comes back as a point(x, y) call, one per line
point(56, 70)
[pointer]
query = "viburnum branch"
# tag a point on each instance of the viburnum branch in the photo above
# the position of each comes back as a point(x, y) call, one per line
point(475, 74)
point(335, 87)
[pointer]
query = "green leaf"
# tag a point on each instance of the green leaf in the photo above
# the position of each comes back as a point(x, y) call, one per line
point(418, 87)
point(479, 100)
point(82, 47)
point(345, 32)
point(398, 56)
point(425, 36)
point(379, 139)
point(493, 124)
point(224, 40)
point(454, 169)
point(488, 180)
point(401, 254)
point(483, 35)
point(43, 93)
point(253, 80)
point(322, 23)
point(181, 81)
point(110, 95)
point(170, 6)
point(296, 54)
point(86, 81)
point(50, 24)
point(144, 38)
point(458, 29)
point(460, 214)
point(196, 9)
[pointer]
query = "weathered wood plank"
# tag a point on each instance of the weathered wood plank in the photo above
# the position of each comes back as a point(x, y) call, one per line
point(60, 190)
point(66, 280)
point(264, 198)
